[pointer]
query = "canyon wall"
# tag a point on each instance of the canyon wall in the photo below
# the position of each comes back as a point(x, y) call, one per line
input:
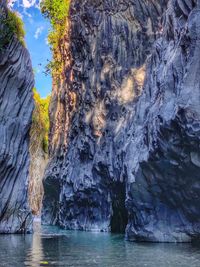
point(125, 121)
point(162, 155)
point(39, 161)
point(16, 105)
point(105, 48)
point(38, 148)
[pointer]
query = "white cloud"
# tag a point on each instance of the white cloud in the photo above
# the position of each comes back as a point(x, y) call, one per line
point(29, 3)
point(38, 32)
point(25, 3)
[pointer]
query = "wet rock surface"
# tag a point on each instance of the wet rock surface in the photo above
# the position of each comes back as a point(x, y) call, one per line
point(16, 105)
point(130, 121)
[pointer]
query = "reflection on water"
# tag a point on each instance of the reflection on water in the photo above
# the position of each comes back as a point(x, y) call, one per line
point(50, 246)
point(35, 254)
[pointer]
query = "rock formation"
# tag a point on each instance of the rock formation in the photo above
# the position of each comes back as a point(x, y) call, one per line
point(16, 105)
point(162, 152)
point(106, 47)
point(39, 160)
point(38, 151)
point(125, 122)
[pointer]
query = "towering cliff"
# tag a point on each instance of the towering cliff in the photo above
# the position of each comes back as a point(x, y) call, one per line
point(162, 152)
point(128, 117)
point(105, 49)
point(16, 105)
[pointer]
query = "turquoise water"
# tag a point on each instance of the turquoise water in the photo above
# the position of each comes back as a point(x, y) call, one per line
point(50, 246)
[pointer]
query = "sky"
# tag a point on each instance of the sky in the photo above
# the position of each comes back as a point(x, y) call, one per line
point(36, 28)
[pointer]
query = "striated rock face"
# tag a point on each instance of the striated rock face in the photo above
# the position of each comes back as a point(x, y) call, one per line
point(16, 105)
point(38, 148)
point(129, 136)
point(39, 160)
point(106, 47)
point(162, 152)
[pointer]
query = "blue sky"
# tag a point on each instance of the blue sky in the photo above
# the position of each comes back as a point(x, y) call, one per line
point(36, 27)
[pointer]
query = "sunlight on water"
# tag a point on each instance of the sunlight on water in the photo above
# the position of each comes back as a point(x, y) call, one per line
point(49, 246)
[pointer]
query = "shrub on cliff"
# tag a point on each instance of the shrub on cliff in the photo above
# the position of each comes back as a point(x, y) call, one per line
point(56, 11)
point(40, 123)
point(11, 25)
point(15, 26)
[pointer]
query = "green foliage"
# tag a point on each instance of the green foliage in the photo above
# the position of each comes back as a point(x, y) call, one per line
point(12, 26)
point(15, 25)
point(40, 123)
point(56, 11)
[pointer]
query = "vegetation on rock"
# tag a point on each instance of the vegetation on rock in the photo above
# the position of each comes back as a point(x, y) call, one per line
point(57, 12)
point(40, 123)
point(12, 26)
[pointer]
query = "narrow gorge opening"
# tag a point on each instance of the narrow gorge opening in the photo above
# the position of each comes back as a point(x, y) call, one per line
point(121, 100)
point(40, 27)
point(51, 33)
point(27, 22)
point(38, 149)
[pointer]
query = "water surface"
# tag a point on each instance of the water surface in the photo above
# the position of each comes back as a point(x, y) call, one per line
point(50, 246)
